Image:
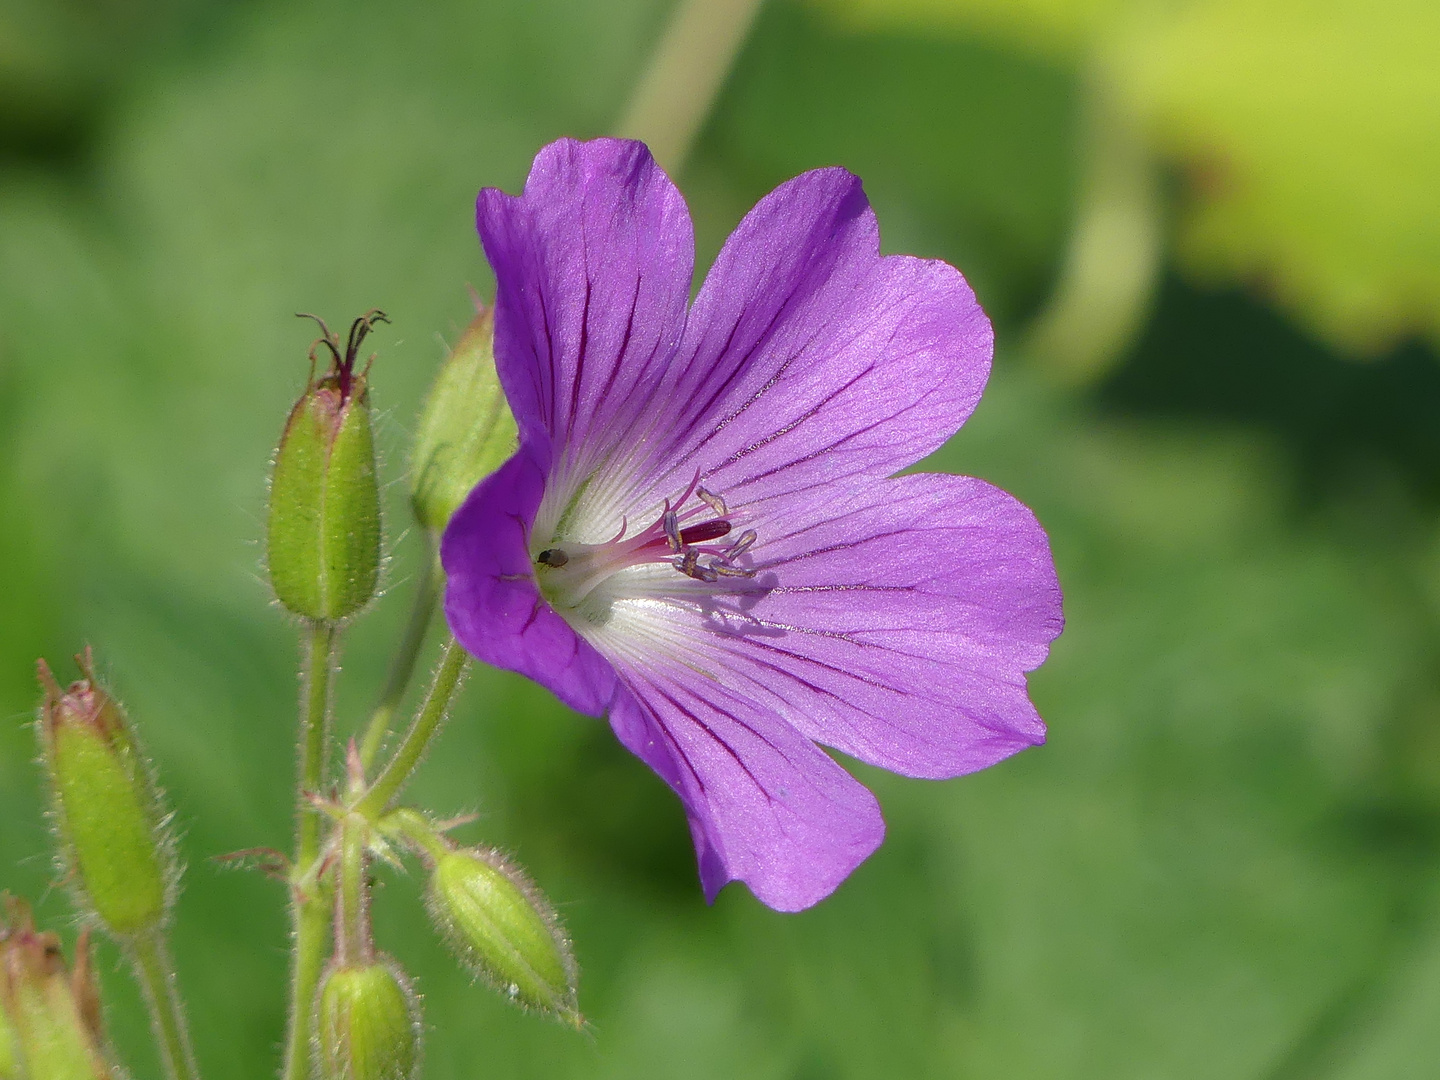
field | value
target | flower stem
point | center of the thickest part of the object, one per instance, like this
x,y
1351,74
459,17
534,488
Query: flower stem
x,y
402,666
308,908
411,825
352,920
156,975
453,664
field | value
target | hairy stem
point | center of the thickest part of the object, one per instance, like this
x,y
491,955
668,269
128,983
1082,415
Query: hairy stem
x,y
352,915
412,825
402,665
307,893
156,975
453,664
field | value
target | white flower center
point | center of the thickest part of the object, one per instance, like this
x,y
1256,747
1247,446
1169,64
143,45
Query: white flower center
x,y
681,538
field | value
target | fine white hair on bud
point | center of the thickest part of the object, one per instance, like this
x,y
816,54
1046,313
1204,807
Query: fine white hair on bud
x,y
504,930
367,1024
112,831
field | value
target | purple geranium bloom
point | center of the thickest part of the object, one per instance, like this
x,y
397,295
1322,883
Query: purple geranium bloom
x,y
701,534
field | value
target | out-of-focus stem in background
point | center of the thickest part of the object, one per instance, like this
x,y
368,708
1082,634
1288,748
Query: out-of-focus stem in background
x,y
674,95
1107,279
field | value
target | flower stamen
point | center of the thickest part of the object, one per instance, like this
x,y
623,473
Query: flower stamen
x,y
568,572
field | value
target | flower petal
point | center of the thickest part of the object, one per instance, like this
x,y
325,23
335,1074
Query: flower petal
x,y
766,806
895,622
593,265
492,603
809,358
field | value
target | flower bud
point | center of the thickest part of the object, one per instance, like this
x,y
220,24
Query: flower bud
x,y
323,541
504,930
466,429
107,813
50,1017
368,1024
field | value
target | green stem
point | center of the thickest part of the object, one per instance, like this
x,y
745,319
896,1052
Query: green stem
x,y
156,975
412,825
352,923
453,663
402,666
308,907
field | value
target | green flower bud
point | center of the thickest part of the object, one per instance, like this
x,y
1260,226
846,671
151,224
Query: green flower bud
x,y
504,930
108,817
466,428
323,541
368,1024
50,1016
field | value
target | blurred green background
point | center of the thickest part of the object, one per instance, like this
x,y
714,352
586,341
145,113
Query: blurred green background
x,y
1223,863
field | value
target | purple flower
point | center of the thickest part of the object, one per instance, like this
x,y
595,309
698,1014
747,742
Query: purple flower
x,y
701,534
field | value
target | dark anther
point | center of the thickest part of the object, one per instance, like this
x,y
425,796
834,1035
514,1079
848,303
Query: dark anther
x,y
552,557
742,545
706,530
710,499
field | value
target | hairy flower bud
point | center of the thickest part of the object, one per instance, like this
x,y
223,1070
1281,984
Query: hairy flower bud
x,y
107,813
50,1016
503,929
368,1024
323,540
466,429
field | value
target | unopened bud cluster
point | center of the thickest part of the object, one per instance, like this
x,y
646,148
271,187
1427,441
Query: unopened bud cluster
x,y
357,1017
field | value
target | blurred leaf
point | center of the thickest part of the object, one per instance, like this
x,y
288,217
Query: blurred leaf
x,y
1307,132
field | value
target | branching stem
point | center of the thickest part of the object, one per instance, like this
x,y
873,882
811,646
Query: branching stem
x,y
454,662
402,666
